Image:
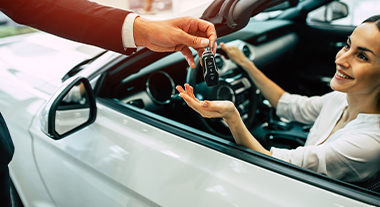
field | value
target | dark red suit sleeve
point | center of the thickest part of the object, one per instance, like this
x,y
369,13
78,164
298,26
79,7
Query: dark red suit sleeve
x,y
78,20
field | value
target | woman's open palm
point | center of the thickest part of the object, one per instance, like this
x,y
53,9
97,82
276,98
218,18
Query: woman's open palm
x,y
207,109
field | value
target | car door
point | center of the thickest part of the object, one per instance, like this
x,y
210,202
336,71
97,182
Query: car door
x,y
130,157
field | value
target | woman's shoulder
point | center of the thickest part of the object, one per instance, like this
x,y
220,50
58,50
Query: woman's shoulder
x,y
335,95
334,100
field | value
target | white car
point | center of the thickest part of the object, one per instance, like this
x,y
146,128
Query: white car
x,y
129,140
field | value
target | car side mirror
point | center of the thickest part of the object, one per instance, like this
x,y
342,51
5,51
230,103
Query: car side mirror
x,y
71,108
336,10
332,11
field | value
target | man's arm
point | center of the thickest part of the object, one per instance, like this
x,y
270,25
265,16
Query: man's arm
x,y
78,20
106,27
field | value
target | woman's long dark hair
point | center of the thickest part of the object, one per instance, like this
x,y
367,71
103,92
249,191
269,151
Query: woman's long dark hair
x,y
372,19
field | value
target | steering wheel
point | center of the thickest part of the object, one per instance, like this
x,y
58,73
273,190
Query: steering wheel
x,y
234,85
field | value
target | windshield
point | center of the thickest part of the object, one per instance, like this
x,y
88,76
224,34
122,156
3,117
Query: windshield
x,y
263,16
270,13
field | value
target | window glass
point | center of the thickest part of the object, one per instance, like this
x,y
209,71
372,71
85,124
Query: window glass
x,y
262,16
358,11
266,15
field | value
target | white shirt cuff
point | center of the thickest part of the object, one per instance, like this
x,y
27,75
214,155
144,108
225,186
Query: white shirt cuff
x,y
282,154
127,31
282,104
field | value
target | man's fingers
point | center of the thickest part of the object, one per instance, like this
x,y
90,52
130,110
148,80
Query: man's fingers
x,y
158,48
214,47
188,56
200,33
194,41
209,29
200,52
211,33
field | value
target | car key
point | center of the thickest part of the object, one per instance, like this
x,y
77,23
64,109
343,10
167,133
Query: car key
x,y
210,71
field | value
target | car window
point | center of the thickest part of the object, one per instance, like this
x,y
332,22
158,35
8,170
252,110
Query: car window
x,y
358,11
266,15
272,13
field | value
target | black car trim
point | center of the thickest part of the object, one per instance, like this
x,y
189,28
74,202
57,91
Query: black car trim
x,y
91,103
250,156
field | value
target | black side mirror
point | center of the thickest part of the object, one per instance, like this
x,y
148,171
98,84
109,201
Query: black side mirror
x,y
71,108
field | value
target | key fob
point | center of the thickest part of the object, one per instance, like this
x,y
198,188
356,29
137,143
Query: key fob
x,y
210,71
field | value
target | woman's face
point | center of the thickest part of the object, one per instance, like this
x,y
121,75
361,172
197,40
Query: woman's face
x,y
358,63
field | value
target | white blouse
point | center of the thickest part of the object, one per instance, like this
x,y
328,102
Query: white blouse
x,y
350,154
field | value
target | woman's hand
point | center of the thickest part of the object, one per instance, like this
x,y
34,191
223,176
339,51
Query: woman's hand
x,y
207,109
235,55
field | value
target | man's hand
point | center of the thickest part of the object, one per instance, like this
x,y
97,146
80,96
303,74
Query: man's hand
x,y
175,35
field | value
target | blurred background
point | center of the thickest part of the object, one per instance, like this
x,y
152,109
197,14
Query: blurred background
x,y
153,9
164,9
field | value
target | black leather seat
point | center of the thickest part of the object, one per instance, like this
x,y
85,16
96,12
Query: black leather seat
x,y
372,183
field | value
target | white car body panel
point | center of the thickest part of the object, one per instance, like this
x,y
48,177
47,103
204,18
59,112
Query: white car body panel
x,y
120,161
23,166
22,92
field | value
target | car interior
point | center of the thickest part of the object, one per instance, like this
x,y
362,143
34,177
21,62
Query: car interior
x,y
294,52
270,46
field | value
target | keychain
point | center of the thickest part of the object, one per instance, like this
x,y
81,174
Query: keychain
x,y
210,71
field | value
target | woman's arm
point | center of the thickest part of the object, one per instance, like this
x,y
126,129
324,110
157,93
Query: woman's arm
x,y
227,111
241,134
268,88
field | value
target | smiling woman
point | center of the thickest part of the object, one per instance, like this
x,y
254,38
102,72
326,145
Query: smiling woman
x,y
344,142
358,65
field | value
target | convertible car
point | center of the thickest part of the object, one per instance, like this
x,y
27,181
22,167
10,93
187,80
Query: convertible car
x,y
97,128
